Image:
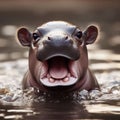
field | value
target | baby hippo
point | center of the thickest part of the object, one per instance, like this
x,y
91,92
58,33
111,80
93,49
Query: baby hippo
x,y
58,58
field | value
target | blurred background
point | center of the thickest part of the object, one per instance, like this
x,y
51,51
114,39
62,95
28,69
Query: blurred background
x,y
33,13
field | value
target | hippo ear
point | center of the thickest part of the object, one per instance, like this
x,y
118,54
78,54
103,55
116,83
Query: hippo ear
x,y
90,34
24,36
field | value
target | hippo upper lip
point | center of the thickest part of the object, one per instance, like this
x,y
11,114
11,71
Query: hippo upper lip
x,y
58,71
48,52
60,55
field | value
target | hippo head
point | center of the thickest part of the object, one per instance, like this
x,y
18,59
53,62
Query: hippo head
x,y
58,54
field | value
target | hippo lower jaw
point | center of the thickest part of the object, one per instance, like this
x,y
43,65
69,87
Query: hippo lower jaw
x,y
58,71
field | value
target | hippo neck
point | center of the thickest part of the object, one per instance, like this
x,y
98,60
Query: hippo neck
x,y
33,62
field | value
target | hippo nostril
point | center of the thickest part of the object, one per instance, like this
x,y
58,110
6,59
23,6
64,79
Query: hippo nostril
x,y
68,40
66,37
49,38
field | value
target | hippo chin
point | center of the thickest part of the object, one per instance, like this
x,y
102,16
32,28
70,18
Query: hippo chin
x,y
58,59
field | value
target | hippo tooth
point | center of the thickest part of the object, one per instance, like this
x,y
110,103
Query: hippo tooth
x,y
66,79
51,80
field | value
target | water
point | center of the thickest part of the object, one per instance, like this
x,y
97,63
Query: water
x,y
63,110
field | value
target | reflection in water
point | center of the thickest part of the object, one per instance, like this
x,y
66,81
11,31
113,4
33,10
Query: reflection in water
x,y
45,110
64,110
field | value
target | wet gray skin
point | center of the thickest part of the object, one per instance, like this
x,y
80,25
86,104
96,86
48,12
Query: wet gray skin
x,y
58,59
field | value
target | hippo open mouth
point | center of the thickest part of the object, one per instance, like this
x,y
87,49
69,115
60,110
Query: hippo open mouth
x,y
58,71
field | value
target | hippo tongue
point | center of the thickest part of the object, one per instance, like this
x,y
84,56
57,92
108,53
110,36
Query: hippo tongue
x,y
58,68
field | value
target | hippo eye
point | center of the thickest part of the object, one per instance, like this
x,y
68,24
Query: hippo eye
x,y
36,37
79,34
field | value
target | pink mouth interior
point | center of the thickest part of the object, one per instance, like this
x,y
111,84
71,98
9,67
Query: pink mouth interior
x,y
58,68
58,71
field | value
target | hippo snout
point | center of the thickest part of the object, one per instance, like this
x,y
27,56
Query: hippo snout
x,y
59,40
58,44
